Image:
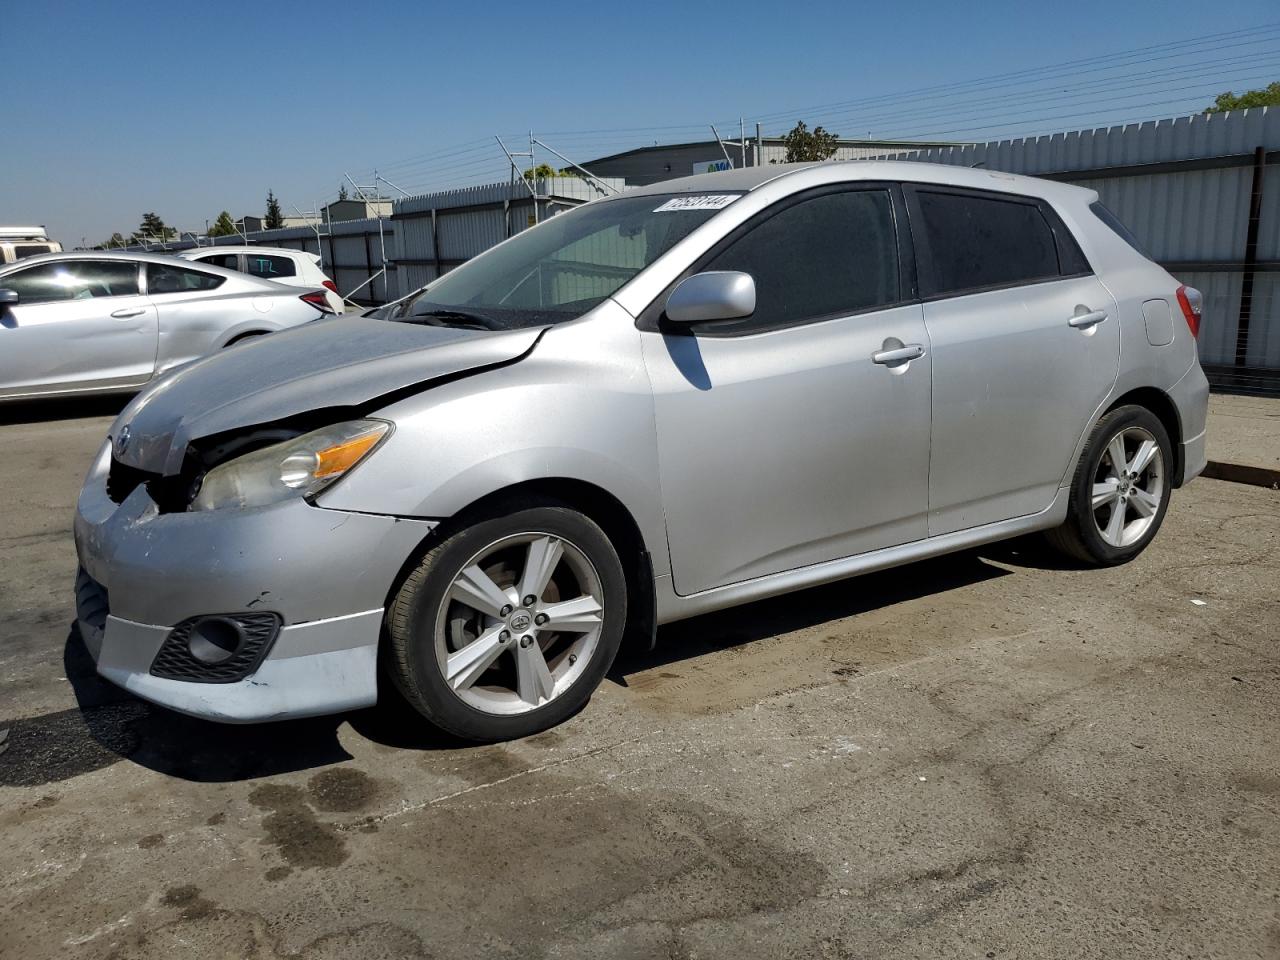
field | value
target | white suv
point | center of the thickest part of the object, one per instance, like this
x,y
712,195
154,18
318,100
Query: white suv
x,y
297,268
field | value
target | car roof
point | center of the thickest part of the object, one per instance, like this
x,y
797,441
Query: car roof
x,y
130,256
752,178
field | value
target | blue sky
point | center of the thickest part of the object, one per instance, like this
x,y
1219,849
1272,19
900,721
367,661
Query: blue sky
x,y
114,109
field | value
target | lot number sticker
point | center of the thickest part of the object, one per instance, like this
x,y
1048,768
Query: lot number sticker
x,y
707,201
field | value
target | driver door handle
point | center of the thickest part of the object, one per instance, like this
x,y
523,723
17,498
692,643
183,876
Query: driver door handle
x,y
912,351
127,312
1088,319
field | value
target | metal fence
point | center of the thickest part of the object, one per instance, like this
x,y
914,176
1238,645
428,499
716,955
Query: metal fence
x,y
437,232
1202,194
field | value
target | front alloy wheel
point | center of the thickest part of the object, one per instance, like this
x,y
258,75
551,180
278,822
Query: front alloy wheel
x,y
509,623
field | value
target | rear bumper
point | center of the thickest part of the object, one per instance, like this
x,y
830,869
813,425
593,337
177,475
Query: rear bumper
x,y
325,574
1190,396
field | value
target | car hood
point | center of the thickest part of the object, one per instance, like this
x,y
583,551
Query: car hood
x,y
342,362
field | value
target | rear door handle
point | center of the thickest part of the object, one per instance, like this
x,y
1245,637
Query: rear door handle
x,y
1088,319
912,351
127,312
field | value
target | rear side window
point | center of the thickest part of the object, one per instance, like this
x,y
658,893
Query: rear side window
x,y
832,254
975,242
74,280
270,267
1120,230
162,278
226,260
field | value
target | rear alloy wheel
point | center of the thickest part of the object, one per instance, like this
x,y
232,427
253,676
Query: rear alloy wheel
x,y
508,625
1120,490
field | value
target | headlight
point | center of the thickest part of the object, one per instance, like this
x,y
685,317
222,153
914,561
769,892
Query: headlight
x,y
299,467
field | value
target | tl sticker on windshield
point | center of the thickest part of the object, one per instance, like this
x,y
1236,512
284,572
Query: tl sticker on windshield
x,y
705,201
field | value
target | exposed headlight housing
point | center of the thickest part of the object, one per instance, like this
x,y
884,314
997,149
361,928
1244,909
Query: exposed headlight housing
x,y
300,467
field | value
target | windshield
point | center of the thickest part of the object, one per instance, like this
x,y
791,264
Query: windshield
x,y
562,268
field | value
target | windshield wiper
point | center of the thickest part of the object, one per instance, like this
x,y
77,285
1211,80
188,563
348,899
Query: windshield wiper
x,y
453,318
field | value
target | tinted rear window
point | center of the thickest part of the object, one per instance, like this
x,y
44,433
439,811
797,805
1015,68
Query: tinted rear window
x,y
975,242
162,278
269,267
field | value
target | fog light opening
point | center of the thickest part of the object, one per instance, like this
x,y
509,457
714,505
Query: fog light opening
x,y
215,639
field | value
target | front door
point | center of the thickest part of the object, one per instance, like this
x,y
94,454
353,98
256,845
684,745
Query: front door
x,y
793,437
1026,345
78,325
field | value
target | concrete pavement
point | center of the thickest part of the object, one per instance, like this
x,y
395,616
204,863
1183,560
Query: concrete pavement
x,y
989,755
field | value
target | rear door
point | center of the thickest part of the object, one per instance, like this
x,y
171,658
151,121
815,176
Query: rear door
x,y
789,438
78,325
1026,345
194,312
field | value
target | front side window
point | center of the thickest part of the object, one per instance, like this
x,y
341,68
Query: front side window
x,y
73,280
268,266
831,255
163,278
564,267
976,242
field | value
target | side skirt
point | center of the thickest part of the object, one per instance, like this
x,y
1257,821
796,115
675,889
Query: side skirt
x,y
672,606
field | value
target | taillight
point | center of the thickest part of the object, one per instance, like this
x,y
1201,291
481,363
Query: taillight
x,y
1190,300
318,300
331,285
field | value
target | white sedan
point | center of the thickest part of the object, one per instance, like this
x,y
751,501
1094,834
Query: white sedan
x,y
105,322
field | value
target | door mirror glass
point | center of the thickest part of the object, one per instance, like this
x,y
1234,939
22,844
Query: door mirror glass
x,y
714,295
8,298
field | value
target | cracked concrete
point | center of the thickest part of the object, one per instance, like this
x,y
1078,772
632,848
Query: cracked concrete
x,y
989,755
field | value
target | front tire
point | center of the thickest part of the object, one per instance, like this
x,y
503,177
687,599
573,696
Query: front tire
x,y
1120,490
509,623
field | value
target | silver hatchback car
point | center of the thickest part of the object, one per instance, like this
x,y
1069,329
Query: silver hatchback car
x,y
686,397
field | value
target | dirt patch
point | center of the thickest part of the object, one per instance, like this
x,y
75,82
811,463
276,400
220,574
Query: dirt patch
x,y
151,840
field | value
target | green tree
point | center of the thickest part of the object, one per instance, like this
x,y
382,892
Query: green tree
x,y
117,240
541,172
342,191
274,219
805,145
153,228
224,226
1268,96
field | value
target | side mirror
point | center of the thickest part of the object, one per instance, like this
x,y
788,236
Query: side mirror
x,y
8,298
714,295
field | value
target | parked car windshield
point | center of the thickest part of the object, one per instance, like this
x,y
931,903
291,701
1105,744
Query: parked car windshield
x,y
561,269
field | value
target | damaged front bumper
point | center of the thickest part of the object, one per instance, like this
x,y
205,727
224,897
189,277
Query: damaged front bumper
x,y
324,575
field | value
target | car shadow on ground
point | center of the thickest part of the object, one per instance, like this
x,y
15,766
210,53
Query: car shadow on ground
x,y
62,408
109,725
698,636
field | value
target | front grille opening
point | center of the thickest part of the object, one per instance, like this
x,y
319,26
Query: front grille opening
x,y
123,479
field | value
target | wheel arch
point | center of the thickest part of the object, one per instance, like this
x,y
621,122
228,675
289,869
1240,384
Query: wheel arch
x,y
1164,409
593,502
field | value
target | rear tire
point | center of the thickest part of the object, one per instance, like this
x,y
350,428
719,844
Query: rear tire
x,y
468,651
1120,490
